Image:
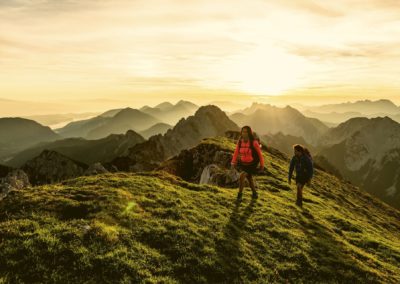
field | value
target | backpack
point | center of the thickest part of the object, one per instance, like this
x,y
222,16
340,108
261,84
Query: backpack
x,y
254,153
302,167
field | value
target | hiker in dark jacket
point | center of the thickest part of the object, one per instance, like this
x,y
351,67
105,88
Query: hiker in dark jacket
x,y
303,164
246,158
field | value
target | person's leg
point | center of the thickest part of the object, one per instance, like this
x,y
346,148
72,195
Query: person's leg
x,y
299,201
252,186
241,184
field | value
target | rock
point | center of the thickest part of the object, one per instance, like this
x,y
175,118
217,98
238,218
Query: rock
x,y
95,169
190,164
16,179
215,175
51,166
232,135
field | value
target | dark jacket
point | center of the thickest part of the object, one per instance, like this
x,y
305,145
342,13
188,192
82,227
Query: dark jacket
x,y
303,165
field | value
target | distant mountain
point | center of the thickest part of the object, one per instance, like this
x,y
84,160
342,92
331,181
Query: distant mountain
x,y
50,167
284,143
228,105
17,134
111,112
268,119
106,124
85,151
206,122
343,131
365,107
367,152
164,106
169,113
54,120
159,128
81,128
395,117
334,118
124,120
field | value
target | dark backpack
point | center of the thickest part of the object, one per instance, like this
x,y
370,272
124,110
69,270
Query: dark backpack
x,y
254,154
303,169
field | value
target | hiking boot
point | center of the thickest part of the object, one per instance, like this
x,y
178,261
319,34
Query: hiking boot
x,y
239,196
254,195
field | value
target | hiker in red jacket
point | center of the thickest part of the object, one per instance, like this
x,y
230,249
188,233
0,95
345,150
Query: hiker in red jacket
x,y
246,158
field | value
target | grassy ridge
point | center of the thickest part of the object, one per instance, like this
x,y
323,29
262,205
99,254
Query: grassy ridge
x,y
154,227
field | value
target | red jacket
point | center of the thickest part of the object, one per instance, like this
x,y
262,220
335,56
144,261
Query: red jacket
x,y
245,152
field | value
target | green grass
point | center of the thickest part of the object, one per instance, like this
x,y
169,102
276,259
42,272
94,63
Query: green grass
x,y
156,228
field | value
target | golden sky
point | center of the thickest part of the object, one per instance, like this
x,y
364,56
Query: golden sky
x,y
151,50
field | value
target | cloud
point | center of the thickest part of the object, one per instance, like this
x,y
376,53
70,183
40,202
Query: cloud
x,y
364,50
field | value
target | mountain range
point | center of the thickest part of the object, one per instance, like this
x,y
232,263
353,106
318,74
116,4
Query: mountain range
x,y
366,152
361,150
112,122
207,121
338,113
85,151
171,113
268,119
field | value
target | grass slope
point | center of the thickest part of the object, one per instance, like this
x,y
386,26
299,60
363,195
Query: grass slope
x,y
156,228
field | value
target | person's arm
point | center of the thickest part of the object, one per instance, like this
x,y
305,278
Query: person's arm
x,y
235,155
291,168
259,153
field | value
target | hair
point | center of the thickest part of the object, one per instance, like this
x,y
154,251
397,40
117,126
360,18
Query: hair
x,y
302,149
249,131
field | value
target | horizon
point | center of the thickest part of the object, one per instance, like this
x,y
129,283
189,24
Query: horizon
x,y
37,108
147,52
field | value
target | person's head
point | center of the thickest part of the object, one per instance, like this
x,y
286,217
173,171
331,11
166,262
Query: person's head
x,y
247,133
298,149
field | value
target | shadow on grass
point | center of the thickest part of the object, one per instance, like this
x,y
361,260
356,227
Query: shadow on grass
x,y
229,253
329,260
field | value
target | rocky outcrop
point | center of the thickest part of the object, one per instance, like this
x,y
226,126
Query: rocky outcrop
x,y
216,175
95,169
16,179
190,164
51,166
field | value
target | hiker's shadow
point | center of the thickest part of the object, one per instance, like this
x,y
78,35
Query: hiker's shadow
x,y
330,254
228,248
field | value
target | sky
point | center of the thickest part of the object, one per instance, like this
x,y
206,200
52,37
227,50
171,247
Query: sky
x,y
146,51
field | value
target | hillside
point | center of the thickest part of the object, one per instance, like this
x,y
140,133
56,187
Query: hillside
x,y
126,119
54,120
159,128
85,151
17,134
154,227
